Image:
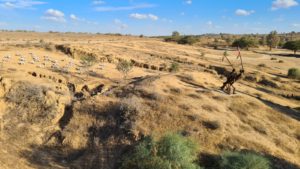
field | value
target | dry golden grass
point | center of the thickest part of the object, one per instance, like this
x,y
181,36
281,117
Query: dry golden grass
x,y
95,131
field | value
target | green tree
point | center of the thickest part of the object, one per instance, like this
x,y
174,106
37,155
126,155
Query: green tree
x,y
263,40
229,41
245,43
292,45
175,34
273,40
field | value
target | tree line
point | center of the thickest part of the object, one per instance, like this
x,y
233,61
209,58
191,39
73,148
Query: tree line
x,y
272,40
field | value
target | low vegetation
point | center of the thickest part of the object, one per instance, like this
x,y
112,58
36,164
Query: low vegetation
x,y
124,67
176,37
174,67
292,45
234,160
170,151
88,61
273,40
29,105
294,73
245,43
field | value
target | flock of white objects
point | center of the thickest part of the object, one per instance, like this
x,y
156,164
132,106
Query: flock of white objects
x,y
54,64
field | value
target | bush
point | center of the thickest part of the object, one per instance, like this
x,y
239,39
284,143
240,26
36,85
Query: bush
x,y
190,40
174,67
262,65
294,73
233,160
245,42
124,67
292,45
171,151
88,60
30,103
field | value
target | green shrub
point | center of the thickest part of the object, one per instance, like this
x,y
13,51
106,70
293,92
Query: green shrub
x,y
294,73
171,151
174,67
245,43
292,45
124,67
190,40
234,160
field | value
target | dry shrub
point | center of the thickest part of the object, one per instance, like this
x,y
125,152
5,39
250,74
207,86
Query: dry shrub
x,y
220,98
186,77
149,95
262,65
269,83
194,96
30,103
209,108
176,90
252,78
184,107
212,125
259,128
273,58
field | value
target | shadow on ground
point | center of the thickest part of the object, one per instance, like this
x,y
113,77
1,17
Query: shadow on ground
x,y
278,54
211,161
106,143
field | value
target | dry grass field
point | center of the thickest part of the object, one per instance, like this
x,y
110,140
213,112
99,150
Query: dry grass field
x,y
44,123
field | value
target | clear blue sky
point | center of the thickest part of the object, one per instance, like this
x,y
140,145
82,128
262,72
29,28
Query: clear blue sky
x,y
151,17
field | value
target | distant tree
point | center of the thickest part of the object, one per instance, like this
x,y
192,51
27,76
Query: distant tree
x,y
292,45
263,40
174,38
188,40
124,67
273,40
229,40
175,34
245,43
293,33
